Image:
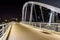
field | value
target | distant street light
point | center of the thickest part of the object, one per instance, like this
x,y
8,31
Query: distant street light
x,y
16,19
6,20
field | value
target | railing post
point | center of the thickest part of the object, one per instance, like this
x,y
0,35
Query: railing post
x,y
40,25
2,29
35,24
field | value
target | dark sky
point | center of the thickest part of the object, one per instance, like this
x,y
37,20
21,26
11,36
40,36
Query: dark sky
x,y
8,8
13,8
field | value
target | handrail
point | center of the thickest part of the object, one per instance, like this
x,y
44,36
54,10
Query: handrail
x,y
44,27
5,35
53,26
2,29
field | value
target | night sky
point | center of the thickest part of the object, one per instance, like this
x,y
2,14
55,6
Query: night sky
x,y
8,9
13,8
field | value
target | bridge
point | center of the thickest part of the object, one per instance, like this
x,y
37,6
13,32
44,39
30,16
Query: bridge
x,y
28,30
21,31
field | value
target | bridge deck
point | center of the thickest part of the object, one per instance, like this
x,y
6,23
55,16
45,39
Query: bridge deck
x,y
25,32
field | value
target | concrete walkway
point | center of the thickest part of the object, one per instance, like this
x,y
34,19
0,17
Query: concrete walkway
x,y
21,32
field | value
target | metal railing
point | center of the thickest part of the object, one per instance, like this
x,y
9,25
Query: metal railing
x,y
52,27
3,28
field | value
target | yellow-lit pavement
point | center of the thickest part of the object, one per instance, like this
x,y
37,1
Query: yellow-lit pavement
x,y
21,32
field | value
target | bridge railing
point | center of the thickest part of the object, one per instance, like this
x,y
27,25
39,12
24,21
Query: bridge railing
x,y
3,28
6,30
52,27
